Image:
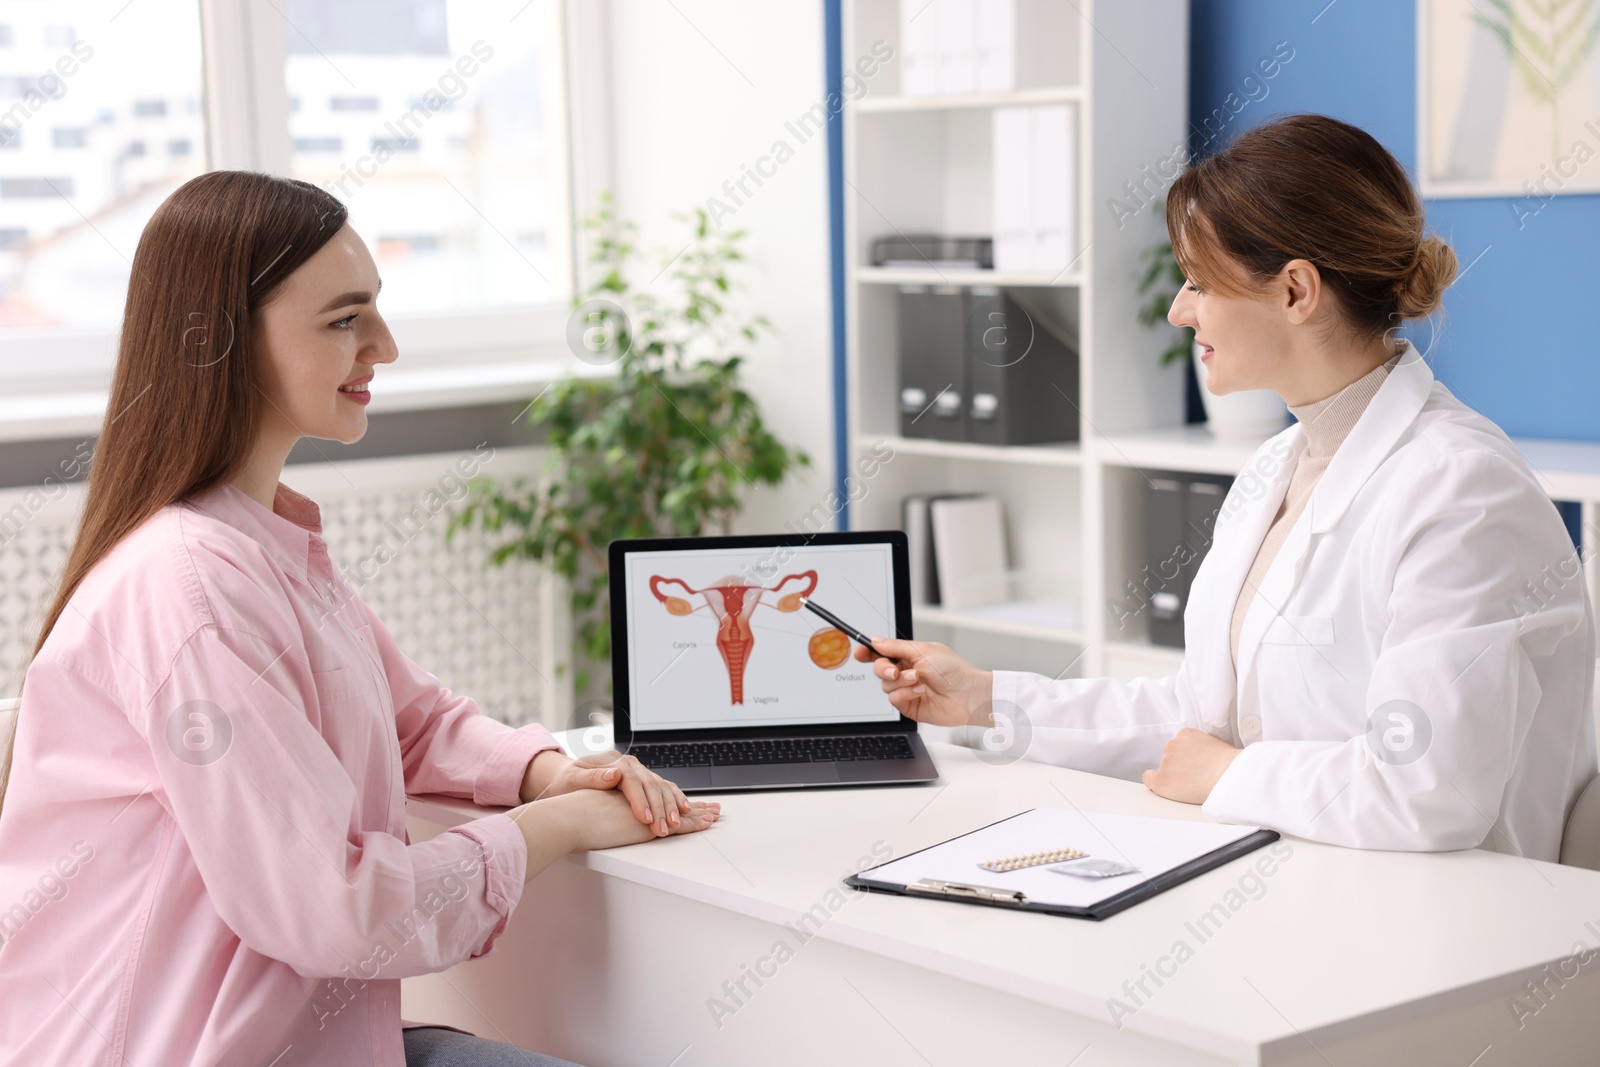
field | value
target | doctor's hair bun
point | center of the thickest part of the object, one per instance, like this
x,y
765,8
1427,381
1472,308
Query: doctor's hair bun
x,y
1312,188
1420,292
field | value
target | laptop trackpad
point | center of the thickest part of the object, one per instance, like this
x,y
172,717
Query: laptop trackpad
x,y
687,777
757,775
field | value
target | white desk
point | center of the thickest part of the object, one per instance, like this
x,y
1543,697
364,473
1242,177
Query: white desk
x,y
1338,957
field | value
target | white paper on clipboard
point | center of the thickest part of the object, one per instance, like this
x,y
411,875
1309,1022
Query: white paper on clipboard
x,y
1155,846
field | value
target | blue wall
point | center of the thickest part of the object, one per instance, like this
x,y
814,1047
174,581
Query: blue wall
x,y
1518,340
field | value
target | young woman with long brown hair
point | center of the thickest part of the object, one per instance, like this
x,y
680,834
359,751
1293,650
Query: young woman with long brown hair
x,y
203,849
1388,644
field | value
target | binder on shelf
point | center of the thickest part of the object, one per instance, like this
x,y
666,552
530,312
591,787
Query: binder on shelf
x,y
1054,195
996,37
919,51
958,46
1013,189
932,360
958,49
1035,188
918,526
1164,853
1022,374
1164,578
1180,516
969,550
919,549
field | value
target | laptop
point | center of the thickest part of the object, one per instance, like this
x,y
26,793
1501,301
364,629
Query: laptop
x,y
723,680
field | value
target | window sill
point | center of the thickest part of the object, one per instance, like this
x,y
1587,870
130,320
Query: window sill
x,y
47,416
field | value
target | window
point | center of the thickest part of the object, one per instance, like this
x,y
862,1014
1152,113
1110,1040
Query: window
x,y
73,195
451,128
416,242
440,123
19,86
392,145
37,188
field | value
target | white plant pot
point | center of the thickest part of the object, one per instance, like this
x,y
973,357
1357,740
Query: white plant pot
x,y
1251,414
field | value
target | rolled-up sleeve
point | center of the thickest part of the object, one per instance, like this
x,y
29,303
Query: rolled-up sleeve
x,y
505,861
273,820
446,745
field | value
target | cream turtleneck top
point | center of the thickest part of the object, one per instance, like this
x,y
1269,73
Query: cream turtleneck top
x,y
1325,423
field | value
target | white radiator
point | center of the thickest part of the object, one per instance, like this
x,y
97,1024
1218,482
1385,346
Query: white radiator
x,y
496,635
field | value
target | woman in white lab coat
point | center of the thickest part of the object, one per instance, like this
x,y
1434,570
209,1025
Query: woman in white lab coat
x,y
1388,644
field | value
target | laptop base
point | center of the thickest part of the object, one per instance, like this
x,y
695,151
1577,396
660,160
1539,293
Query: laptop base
x,y
919,768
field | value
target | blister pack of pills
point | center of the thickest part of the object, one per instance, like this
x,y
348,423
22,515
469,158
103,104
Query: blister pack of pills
x,y
1030,859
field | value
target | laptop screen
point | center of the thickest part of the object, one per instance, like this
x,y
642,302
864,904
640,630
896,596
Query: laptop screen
x,y
718,637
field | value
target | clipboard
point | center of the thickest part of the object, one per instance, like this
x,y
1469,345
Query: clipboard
x,y
1168,852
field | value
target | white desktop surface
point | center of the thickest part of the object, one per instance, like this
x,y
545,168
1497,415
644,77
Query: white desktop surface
x,y
1342,952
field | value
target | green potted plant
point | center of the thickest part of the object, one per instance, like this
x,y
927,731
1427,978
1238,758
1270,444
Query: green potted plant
x,y
1158,286
667,442
1249,414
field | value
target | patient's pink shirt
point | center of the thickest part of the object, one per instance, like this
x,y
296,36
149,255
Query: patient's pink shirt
x,y
203,849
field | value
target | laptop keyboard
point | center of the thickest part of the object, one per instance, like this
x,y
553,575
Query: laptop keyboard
x,y
773,750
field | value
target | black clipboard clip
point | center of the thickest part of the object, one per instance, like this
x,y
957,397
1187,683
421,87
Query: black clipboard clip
x,y
933,887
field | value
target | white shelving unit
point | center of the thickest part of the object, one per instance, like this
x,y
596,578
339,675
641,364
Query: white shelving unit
x,y
923,163
1073,511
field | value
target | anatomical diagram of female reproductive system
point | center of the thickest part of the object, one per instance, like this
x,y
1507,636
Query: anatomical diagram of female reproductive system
x,y
733,600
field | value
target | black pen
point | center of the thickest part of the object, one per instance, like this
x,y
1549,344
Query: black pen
x,y
849,631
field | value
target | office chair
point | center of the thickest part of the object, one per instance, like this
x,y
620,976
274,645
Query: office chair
x,y
1580,844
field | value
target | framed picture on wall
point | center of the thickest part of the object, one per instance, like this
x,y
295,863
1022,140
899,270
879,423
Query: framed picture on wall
x,y
1508,98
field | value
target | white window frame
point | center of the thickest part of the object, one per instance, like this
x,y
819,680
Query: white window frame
x,y
246,107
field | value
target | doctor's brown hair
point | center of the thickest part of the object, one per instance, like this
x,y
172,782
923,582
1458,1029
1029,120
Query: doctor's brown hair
x,y
1314,188
185,401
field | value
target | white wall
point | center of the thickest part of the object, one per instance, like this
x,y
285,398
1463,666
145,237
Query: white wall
x,y
698,90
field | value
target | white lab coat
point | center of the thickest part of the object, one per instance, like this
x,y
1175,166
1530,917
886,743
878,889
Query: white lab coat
x,y
1428,567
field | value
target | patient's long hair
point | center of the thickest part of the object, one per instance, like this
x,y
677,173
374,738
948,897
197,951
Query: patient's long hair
x,y
184,407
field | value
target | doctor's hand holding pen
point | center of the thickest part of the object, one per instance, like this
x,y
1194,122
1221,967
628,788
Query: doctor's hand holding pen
x,y
930,683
